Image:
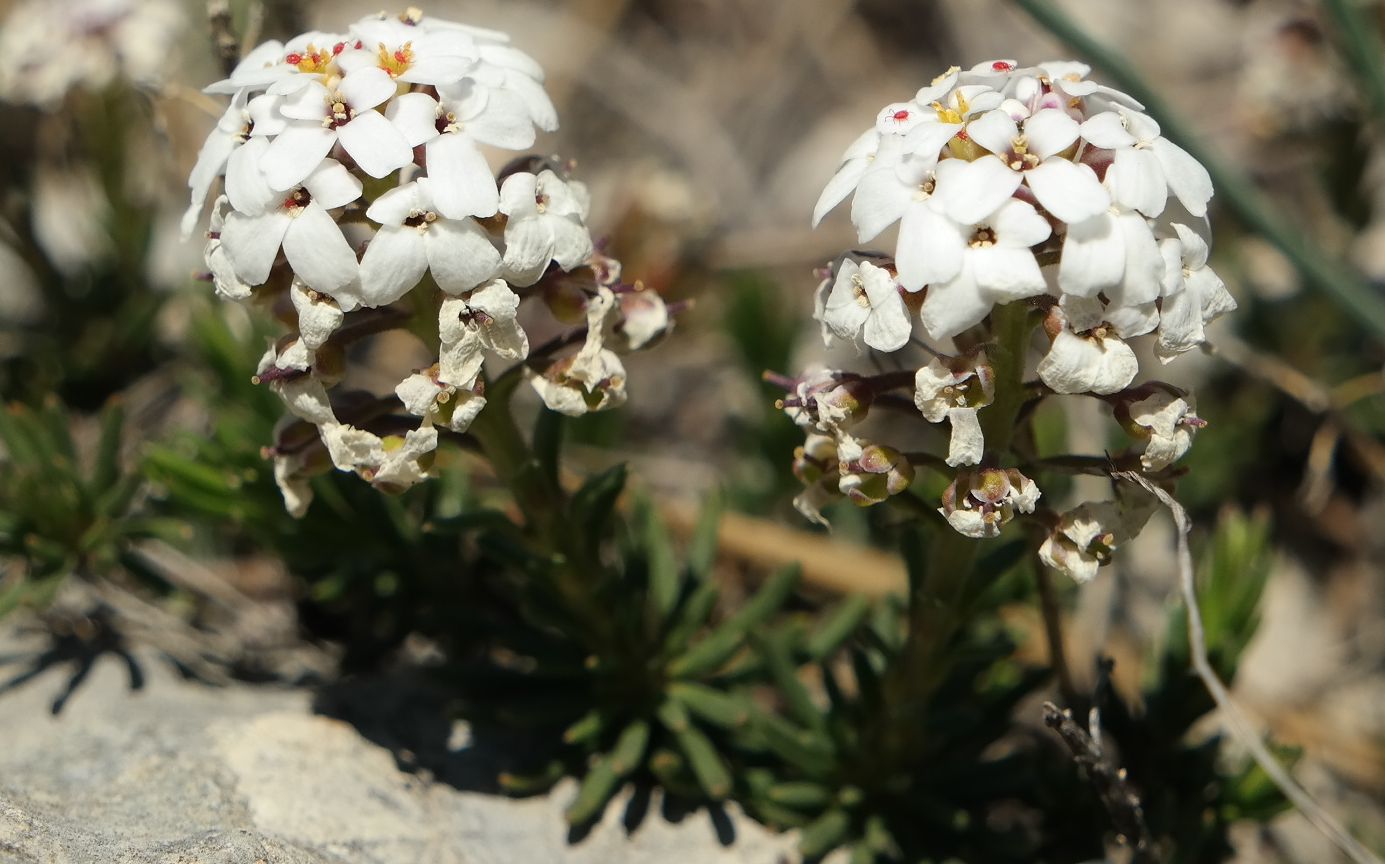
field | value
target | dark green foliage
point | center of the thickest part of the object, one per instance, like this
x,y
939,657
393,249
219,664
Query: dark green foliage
x,y
65,511
651,683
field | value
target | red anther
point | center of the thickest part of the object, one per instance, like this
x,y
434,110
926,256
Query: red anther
x,y
962,134
401,57
1002,66
338,48
294,59
901,115
359,44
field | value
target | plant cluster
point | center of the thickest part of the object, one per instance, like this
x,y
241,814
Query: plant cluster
x,y
1040,217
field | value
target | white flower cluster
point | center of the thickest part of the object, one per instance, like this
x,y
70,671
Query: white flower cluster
x,y
1010,184
354,174
47,49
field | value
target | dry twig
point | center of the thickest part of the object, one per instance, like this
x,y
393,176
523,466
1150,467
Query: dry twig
x,y
1235,720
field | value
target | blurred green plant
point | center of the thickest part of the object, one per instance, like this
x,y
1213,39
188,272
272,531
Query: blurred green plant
x,y
65,512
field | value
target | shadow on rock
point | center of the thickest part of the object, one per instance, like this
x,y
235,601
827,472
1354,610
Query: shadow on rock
x,y
76,642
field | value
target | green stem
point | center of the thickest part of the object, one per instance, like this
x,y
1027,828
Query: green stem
x,y
543,503
937,588
1244,199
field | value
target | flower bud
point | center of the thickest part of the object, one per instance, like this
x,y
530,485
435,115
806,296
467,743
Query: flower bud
x,y
979,502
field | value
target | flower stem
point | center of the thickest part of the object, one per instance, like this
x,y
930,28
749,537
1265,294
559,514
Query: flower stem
x,y
573,569
937,587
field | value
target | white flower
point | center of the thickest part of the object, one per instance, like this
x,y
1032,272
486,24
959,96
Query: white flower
x,y
1083,540
415,238
593,379
955,392
318,315
232,130
1097,362
322,116
311,239
829,400
1166,424
481,320
866,303
1113,252
644,319
391,464
439,402
1037,154
1193,294
282,68
288,373
546,222
293,483
1147,166
978,503
451,131
976,266
408,53
224,278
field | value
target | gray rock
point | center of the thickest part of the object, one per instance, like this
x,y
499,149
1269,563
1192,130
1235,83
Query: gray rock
x,y
180,773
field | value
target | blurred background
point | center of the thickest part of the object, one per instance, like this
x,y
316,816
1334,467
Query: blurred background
x,y
705,130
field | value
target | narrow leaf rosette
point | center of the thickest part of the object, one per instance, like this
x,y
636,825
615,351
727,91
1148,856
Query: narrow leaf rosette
x,y
1037,225
356,196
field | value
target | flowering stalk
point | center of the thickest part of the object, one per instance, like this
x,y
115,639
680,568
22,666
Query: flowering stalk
x,y
1020,195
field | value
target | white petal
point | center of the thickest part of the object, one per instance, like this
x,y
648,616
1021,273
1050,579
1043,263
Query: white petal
x,y
375,144
252,243
518,194
952,307
1069,191
994,130
1180,325
460,254
294,154
1136,181
505,123
841,185
1050,131
889,326
415,115
365,88
318,252
1093,257
1194,247
880,201
1075,364
392,265
967,443
462,181
572,242
930,247
1018,225
331,185
318,316
395,205
1144,265
528,249
1007,274
1186,176
246,187
972,191
1107,130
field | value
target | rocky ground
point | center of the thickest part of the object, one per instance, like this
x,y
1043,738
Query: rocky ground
x,y
141,766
